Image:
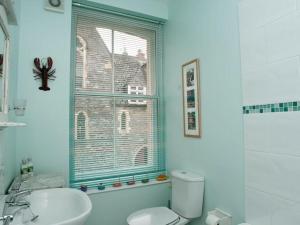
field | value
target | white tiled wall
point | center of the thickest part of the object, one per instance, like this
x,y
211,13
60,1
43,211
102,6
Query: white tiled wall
x,y
270,56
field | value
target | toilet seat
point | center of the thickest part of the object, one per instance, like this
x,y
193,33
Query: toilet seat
x,y
155,216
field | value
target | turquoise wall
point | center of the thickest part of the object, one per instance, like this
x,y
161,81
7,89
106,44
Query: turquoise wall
x,y
46,137
156,8
112,208
8,136
208,30
196,29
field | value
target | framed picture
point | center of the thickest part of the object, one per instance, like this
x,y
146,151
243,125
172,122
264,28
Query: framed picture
x,y
191,99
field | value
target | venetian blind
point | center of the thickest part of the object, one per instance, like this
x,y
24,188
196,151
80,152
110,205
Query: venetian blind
x,y
115,102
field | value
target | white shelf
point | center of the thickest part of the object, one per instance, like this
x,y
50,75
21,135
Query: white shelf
x,y
11,124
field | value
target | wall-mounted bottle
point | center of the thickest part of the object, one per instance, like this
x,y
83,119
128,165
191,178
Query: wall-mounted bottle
x,y
24,169
30,167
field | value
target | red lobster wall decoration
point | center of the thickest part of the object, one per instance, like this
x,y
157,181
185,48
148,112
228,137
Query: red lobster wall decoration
x,y
44,72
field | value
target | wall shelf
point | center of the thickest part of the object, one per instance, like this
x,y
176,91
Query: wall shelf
x,y
6,124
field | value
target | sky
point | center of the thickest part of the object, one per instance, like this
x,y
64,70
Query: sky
x,y
123,42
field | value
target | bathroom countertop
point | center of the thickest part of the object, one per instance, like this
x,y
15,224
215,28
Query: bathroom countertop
x,y
2,197
37,182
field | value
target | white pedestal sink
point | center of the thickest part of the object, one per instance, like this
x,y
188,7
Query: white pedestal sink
x,y
61,206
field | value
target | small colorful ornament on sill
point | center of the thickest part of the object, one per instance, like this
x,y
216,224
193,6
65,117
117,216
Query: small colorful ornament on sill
x,y
162,177
131,182
83,188
101,187
44,71
117,184
145,180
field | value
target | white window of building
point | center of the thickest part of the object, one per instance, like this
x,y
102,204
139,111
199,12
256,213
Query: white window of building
x,y
82,49
137,90
81,125
141,157
124,120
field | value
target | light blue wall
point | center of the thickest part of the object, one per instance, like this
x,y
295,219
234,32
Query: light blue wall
x,y
197,28
112,208
46,137
8,136
208,30
43,34
156,8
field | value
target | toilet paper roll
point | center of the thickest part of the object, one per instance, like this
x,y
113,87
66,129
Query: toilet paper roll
x,y
212,220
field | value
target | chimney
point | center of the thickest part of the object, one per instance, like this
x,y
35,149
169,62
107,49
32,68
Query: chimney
x,y
141,56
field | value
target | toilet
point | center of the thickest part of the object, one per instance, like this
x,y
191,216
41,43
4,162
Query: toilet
x,y
187,200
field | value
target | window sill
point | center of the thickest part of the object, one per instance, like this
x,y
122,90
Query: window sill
x,y
109,189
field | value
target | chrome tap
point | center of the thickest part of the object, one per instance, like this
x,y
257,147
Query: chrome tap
x,y
12,201
12,197
6,219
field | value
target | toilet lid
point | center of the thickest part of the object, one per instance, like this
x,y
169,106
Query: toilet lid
x,y
153,216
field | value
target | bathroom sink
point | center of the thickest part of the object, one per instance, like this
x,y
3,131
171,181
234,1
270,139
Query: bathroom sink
x,y
61,206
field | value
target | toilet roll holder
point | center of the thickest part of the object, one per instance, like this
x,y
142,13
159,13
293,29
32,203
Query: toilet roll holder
x,y
218,217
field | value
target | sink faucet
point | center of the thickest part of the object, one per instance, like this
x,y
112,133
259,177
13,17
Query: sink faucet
x,y
6,219
11,201
12,197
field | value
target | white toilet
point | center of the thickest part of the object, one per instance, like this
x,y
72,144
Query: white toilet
x,y
187,200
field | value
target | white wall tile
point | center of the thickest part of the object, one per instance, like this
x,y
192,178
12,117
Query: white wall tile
x,y
275,174
253,49
282,37
289,215
257,207
274,82
298,4
270,50
276,133
279,8
284,133
264,209
252,13
255,13
256,130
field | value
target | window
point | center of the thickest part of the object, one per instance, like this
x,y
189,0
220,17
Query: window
x,y
141,157
116,80
82,60
136,91
124,120
81,126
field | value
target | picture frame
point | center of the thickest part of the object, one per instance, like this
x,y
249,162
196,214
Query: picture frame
x,y
191,98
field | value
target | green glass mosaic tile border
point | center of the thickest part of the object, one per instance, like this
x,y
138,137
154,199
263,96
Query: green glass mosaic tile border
x,y
271,108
